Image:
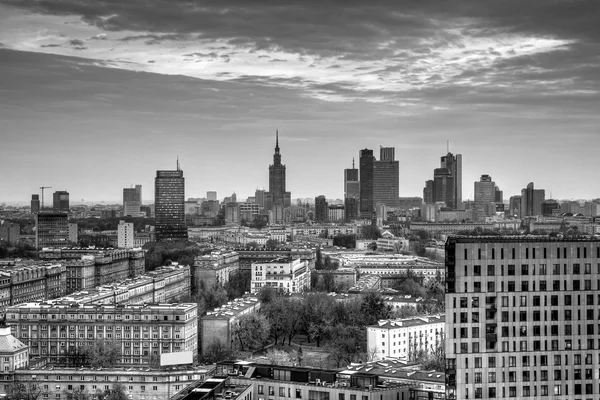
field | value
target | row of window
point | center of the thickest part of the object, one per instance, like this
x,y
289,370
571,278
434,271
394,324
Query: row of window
x,y
531,360
526,269
525,287
527,392
524,346
528,376
581,252
523,301
523,331
524,316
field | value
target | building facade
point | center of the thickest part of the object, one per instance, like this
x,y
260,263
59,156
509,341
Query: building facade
x,y
386,178
125,235
277,194
485,198
169,209
365,162
351,183
52,230
321,210
60,201
531,201
214,269
522,318
132,201
285,275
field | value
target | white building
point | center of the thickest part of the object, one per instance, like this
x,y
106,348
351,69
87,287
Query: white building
x,y
405,337
125,239
14,354
283,274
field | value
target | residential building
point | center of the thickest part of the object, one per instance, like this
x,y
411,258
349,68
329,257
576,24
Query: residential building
x,y
285,275
318,230
52,330
60,201
214,269
335,213
52,230
514,206
73,230
341,278
247,257
14,354
405,337
169,210
522,317
366,161
531,201
9,232
145,383
35,203
485,198
321,209
386,178
216,327
294,382
125,235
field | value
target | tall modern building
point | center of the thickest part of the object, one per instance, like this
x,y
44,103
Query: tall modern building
x,y
531,201
277,195
132,201
60,200
514,206
169,206
366,161
35,203
447,183
321,209
522,318
351,183
211,195
386,178
51,229
485,198
259,198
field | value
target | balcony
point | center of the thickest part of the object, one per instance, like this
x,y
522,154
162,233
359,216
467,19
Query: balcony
x,y
491,337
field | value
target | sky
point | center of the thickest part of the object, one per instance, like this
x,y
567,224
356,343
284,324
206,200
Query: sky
x,y
96,95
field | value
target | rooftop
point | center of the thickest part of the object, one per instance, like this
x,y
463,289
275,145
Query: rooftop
x,y
232,308
410,322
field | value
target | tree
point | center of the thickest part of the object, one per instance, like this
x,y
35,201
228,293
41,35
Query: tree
x,y
280,357
324,234
405,311
371,232
24,391
266,294
102,354
272,244
348,343
276,311
117,392
216,351
293,319
374,308
238,284
348,241
77,394
372,246
251,331
316,315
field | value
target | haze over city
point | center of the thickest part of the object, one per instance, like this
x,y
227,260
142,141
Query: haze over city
x,y
98,95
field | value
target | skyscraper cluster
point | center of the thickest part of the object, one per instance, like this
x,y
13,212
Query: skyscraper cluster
x,y
446,186
379,181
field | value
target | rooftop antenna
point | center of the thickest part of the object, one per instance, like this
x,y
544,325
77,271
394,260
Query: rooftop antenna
x,y
178,169
448,146
353,163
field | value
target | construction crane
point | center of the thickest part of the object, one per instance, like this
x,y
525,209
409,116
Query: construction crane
x,y
42,188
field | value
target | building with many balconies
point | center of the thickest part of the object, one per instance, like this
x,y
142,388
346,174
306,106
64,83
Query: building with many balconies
x,y
285,275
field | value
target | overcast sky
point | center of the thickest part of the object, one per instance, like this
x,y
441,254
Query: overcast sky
x,y
96,95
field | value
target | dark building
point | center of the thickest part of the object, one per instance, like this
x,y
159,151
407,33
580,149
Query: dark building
x,y
407,203
514,206
321,209
132,201
548,207
351,183
60,200
277,196
386,178
51,229
447,183
531,201
366,204
169,206
498,195
351,209
35,203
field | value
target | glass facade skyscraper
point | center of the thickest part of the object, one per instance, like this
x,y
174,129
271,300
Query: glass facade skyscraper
x,y
169,206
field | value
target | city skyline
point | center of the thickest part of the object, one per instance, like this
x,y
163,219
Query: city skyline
x,y
96,89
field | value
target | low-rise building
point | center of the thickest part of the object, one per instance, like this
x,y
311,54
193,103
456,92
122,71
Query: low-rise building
x,y
54,330
216,327
405,337
14,354
214,269
342,278
285,275
319,229
247,257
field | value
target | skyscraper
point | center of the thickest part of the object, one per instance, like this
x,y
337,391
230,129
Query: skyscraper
x,y
447,182
485,198
531,201
276,199
60,200
321,209
35,203
169,205
366,204
259,198
386,178
132,201
522,318
351,182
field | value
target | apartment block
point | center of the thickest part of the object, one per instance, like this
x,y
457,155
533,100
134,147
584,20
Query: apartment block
x,y
52,230
285,275
53,330
522,318
216,326
214,269
405,337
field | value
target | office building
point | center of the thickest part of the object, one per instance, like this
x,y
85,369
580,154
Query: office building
x,y
446,185
211,195
550,207
216,327
277,194
35,203
53,329
485,198
284,275
259,198
514,206
405,337
52,230
351,183
351,212
132,201
366,161
498,196
60,201
125,235
531,201
321,209
386,178
522,318
169,210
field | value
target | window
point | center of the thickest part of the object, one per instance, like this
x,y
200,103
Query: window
x,y
511,270
525,269
523,302
491,270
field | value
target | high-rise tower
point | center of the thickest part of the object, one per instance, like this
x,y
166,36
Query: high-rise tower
x,y
61,200
351,182
447,182
277,195
386,178
531,201
366,161
169,205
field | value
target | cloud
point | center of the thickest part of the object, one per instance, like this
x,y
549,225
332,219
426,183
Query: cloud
x,y
75,42
100,36
51,45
